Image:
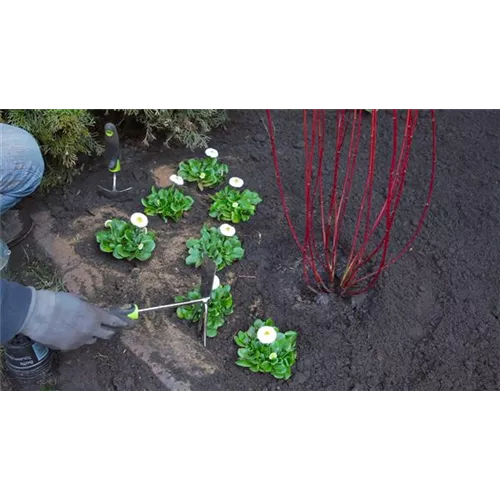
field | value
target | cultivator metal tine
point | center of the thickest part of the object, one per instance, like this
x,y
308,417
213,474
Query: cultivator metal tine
x,y
207,281
202,324
114,191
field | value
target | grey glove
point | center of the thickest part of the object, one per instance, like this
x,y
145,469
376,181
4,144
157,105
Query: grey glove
x,y
62,321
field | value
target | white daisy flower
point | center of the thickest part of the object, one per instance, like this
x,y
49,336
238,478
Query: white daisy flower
x,y
236,182
266,334
177,179
212,153
216,283
227,230
108,223
139,220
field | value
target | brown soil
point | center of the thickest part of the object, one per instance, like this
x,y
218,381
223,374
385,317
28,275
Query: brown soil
x,y
432,322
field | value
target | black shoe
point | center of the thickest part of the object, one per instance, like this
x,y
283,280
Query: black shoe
x,y
15,226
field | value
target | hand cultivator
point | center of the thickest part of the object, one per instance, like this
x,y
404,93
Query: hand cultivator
x,y
112,155
208,269
327,195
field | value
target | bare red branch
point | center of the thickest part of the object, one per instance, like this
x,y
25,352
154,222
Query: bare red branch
x,y
327,197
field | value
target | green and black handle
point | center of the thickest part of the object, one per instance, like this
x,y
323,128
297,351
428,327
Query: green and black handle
x,y
132,311
112,157
112,152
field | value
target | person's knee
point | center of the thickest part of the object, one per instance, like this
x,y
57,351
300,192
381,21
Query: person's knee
x,y
22,162
26,180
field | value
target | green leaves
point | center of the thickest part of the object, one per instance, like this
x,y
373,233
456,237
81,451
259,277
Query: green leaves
x,y
276,358
206,172
221,249
168,203
233,205
126,241
219,308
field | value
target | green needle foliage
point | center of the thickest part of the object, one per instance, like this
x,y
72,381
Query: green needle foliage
x,y
62,134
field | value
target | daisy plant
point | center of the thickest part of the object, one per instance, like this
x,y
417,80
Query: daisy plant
x,y
127,240
206,172
263,348
233,205
219,307
219,244
170,203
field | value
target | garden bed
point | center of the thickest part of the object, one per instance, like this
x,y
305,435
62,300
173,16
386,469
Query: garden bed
x,y
432,321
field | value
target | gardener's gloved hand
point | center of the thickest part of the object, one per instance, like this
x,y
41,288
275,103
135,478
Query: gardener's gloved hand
x,y
62,321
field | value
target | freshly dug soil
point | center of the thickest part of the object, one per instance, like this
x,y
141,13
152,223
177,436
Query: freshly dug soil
x,y
431,323
97,367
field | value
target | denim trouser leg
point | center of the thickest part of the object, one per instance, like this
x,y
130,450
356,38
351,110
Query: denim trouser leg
x,y
21,165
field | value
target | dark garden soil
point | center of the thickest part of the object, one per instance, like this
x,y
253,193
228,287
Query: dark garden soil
x,y
101,366
431,323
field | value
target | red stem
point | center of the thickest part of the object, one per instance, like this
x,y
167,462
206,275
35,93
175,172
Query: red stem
x,y
282,193
394,176
355,256
331,220
353,280
309,240
333,210
351,166
374,275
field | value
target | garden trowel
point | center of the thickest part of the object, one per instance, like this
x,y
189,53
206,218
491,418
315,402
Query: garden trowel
x,y
208,270
112,156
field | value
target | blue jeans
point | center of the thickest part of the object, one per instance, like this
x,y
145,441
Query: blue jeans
x,y
21,165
